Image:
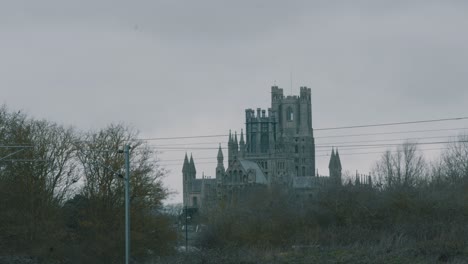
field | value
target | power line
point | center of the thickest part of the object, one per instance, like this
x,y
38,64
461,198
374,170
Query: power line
x,y
331,143
166,138
336,136
383,140
265,157
416,143
323,129
319,156
395,123
328,145
396,132
16,146
188,144
24,160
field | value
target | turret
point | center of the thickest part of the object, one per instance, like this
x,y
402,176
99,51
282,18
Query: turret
x,y
236,146
230,149
242,145
220,155
334,167
331,164
186,183
338,161
193,171
185,167
305,111
220,167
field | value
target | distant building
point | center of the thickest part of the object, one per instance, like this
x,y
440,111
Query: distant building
x,y
279,148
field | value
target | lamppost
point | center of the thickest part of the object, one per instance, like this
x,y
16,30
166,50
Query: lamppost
x,y
126,152
186,229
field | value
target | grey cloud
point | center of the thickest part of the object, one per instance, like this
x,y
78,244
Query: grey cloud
x,y
191,67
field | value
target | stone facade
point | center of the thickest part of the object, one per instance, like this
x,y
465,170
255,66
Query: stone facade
x,y
279,148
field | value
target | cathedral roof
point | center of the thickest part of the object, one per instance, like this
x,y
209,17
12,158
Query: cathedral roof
x,y
250,165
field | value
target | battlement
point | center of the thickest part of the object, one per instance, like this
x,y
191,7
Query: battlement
x,y
277,94
261,114
304,90
276,90
293,97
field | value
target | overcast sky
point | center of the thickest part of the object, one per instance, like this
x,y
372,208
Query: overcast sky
x,y
178,68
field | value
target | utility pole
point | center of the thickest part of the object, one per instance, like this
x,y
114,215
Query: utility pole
x,y
127,203
186,230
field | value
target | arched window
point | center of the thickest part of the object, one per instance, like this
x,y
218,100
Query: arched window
x,y
264,142
289,114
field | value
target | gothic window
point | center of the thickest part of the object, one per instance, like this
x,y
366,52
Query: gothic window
x,y
264,140
253,143
289,114
194,201
297,171
303,171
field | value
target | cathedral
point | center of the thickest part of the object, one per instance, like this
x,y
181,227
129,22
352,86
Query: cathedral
x,y
278,147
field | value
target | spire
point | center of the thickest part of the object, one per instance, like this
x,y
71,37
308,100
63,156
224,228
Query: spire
x,y
331,164
338,161
242,144
230,148
220,154
235,149
192,166
185,168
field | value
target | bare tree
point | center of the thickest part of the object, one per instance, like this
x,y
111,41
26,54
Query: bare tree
x,y
402,168
36,174
101,164
454,161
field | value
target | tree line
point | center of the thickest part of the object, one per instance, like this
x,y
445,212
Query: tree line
x,y
415,211
61,196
